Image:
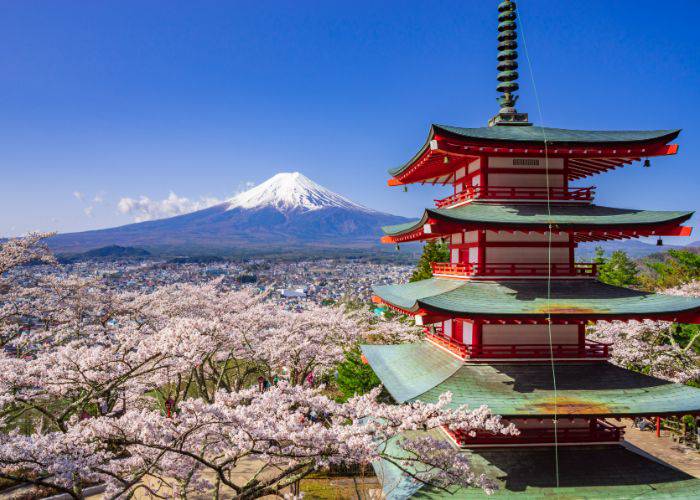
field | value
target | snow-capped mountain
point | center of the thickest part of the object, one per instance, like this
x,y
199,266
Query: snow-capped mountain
x,y
291,191
288,211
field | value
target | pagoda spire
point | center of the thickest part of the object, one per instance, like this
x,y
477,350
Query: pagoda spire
x,y
508,67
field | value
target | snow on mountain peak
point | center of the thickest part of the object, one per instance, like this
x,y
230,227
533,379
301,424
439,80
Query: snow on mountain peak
x,y
289,191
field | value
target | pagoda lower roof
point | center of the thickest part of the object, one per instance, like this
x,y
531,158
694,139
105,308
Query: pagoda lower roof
x,y
568,299
422,372
523,217
585,472
585,147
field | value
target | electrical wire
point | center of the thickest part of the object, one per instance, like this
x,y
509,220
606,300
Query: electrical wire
x,y
549,250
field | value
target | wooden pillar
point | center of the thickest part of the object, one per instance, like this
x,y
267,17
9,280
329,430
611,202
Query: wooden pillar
x,y
572,257
481,258
581,335
457,330
477,337
658,427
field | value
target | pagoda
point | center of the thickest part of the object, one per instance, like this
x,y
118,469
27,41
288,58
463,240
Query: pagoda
x,y
505,319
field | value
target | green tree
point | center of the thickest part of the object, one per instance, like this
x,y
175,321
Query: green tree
x,y
599,256
677,268
354,376
686,336
618,270
433,251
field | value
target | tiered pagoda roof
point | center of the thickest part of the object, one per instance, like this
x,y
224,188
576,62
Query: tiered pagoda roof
x,y
590,152
560,300
587,222
612,471
526,390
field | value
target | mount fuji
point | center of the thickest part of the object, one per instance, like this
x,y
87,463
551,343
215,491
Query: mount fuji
x,y
289,211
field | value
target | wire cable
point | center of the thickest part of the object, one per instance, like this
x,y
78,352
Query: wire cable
x,y
549,250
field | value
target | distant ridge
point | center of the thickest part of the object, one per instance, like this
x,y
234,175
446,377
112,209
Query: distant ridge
x,y
111,252
289,211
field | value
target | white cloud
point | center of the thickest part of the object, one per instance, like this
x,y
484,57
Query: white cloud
x,y
88,210
144,208
78,195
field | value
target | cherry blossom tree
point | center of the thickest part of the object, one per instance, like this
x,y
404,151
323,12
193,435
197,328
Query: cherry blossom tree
x,y
651,346
14,305
151,391
19,251
382,330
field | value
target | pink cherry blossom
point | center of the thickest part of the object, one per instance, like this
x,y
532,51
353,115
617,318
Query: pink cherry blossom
x,y
650,347
153,390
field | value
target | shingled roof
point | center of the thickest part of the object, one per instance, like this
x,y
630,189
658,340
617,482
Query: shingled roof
x,y
536,136
610,471
526,390
588,299
526,216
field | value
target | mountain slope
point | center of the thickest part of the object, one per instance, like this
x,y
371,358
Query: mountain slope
x,y
288,211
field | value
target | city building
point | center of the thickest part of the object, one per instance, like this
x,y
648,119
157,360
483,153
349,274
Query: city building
x,y
506,317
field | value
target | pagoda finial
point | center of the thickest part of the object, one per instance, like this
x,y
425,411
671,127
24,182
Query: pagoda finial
x,y
508,67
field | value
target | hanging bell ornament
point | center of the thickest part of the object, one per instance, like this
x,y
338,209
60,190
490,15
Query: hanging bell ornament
x,y
647,163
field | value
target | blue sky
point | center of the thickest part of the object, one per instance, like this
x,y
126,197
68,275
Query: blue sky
x,y
102,101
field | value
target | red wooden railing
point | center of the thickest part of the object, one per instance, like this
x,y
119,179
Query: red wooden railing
x,y
518,193
599,432
521,269
590,349
450,344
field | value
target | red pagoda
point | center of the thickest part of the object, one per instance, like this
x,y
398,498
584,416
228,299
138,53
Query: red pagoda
x,y
506,317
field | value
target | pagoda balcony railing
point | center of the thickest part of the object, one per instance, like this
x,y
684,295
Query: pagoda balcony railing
x,y
467,269
584,194
599,431
589,350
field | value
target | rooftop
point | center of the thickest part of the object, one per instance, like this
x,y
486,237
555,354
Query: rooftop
x,y
539,216
582,299
611,471
533,134
526,390
628,145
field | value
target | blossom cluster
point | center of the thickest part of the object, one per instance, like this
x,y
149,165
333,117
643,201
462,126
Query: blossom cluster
x,y
158,391
650,346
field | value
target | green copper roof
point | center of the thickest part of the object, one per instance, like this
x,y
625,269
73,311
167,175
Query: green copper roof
x,y
557,135
531,134
526,390
413,379
585,472
570,298
536,215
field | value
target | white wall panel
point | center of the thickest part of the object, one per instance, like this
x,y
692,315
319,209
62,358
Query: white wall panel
x,y
529,334
518,255
467,332
526,237
524,180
